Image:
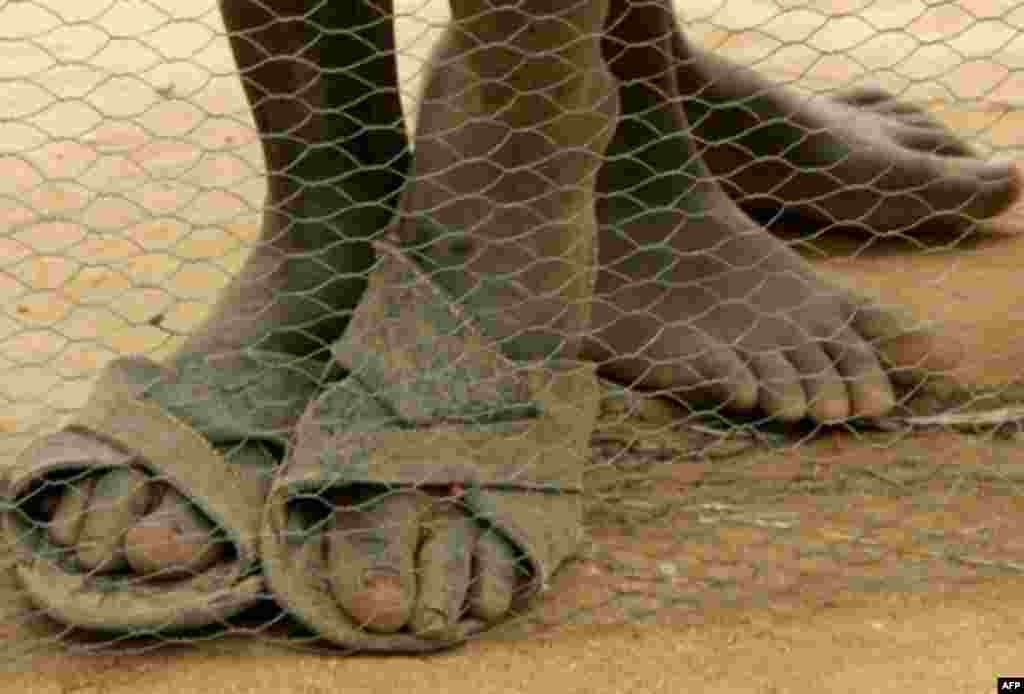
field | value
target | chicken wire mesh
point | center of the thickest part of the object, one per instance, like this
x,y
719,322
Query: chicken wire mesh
x,y
441,443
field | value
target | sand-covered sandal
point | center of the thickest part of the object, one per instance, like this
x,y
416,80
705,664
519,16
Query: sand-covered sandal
x,y
212,431
429,400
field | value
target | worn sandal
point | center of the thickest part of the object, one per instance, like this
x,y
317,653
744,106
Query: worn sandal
x,y
429,401
211,431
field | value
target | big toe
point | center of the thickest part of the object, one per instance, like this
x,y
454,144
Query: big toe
x,y
980,189
371,550
174,540
907,347
1003,183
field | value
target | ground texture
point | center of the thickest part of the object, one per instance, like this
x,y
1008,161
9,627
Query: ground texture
x,y
758,561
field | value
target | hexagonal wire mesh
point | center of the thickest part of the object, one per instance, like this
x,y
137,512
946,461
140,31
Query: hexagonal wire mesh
x,y
548,187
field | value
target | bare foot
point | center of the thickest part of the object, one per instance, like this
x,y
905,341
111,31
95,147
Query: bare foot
x,y
307,272
862,158
693,296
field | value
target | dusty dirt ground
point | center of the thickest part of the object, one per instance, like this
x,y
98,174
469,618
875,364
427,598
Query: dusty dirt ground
x,y
779,561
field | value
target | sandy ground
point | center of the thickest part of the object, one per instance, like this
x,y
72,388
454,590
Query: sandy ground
x,y
855,561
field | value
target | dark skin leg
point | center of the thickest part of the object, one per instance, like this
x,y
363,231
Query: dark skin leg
x,y
336,153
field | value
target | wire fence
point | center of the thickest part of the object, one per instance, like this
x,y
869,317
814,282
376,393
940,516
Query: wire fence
x,y
302,304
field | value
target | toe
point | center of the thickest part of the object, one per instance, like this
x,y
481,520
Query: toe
x,y
956,191
497,576
932,140
983,188
696,369
901,111
371,549
119,499
885,103
905,346
861,97
824,390
781,393
700,369
1004,183
726,379
174,540
869,387
65,524
444,567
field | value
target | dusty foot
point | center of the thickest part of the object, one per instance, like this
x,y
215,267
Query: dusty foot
x,y
305,275
862,158
694,297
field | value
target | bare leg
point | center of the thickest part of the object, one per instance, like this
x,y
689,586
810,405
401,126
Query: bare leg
x,y
863,159
327,109
323,87
692,295
515,119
